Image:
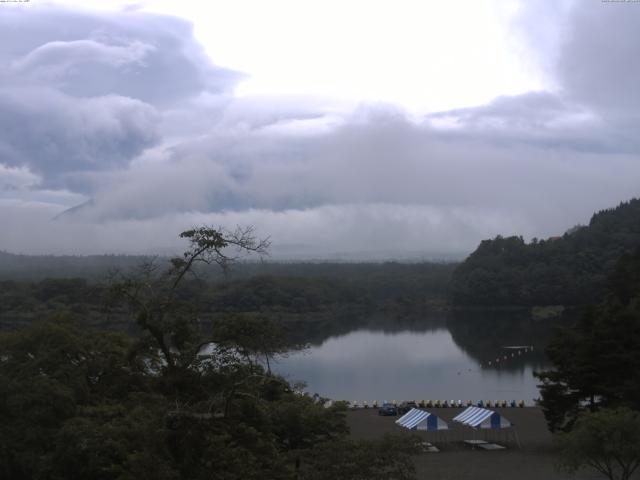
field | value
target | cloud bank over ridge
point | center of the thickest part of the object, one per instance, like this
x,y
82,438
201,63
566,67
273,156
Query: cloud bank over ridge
x,y
123,114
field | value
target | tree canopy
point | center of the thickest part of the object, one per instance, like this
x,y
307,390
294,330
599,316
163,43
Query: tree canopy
x,y
171,402
607,441
568,270
596,361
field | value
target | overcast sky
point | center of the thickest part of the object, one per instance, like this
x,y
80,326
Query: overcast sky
x,y
361,129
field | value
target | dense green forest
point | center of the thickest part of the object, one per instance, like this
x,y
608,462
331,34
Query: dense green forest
x,y
292,293
178,400
567,270
595,357
97,267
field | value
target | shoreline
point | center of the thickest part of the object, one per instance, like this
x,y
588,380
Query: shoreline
x,y
535,460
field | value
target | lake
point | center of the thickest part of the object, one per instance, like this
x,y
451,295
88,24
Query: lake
x,y
425,362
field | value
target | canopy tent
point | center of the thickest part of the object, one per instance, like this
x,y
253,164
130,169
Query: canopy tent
x,y
416,419
477,417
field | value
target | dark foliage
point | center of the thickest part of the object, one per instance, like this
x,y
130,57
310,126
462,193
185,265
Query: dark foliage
x,y
292,292
607,441
567,270
170,402
597,360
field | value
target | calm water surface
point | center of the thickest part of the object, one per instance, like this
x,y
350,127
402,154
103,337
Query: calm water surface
x,y
376,365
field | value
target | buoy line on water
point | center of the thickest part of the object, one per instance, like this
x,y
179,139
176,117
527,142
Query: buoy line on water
x,y
356,405
520,349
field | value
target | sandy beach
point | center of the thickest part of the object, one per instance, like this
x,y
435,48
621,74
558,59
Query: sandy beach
x,y
534,460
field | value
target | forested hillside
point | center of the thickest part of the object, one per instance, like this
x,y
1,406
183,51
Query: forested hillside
x,y
567,270
296,292
596,361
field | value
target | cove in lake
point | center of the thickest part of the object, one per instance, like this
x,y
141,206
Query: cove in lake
x,y
448,360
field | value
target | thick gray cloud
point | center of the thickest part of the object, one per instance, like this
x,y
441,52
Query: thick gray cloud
x,y
125,109
54,60
386,160
83,91
587,49
53,133
149,57
362,231
541,119
598,62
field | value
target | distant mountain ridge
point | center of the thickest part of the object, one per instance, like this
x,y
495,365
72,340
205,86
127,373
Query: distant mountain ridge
x,y
567,270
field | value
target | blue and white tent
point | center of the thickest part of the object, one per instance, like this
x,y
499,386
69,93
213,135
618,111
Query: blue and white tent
x,y
477,417
416,419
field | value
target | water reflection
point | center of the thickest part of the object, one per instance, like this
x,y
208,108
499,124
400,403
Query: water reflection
x,y
483,336
432,358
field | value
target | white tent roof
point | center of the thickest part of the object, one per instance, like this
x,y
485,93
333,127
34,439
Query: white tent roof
x,y
477,417
416,419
